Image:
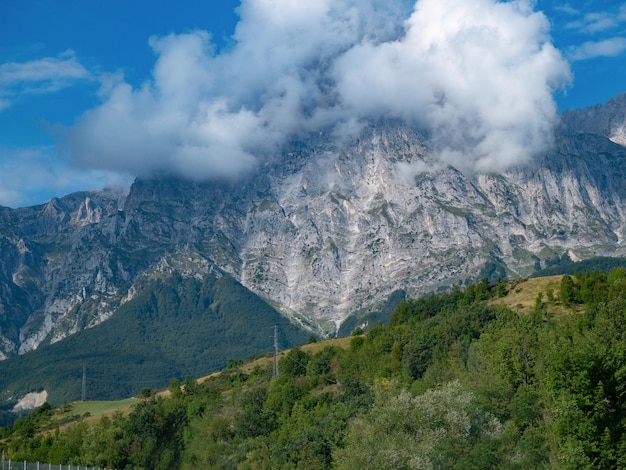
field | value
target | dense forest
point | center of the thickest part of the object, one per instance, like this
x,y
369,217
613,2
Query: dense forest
x,y
458,380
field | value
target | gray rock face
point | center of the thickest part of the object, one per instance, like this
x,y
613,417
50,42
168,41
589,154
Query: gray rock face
x,y
607,120
321,232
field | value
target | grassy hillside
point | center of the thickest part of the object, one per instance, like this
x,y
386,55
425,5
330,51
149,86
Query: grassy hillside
x,y
522,295
173,328
93,410
97,409
466,379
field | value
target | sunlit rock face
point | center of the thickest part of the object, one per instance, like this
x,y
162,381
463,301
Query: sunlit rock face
x,y
324,229
351,225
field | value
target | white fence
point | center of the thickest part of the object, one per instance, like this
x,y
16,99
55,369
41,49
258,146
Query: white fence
x,y
12,465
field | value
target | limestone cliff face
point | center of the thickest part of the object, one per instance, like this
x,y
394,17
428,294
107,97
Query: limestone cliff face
x,y
354,224
324,230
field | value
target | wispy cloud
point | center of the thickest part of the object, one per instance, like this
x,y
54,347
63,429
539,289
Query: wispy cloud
x,y
594,22
30,176
478,74
612,47
567,9
46,75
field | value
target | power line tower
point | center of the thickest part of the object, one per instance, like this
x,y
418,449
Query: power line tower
x,y
275,374
83,395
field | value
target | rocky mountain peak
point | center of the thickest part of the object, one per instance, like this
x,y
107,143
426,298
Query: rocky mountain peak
x,y
606,120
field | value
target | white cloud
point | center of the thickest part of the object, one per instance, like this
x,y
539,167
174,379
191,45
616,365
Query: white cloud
x,y
594,22
612,47
49,69
568,9
46,75
478,74
10,197
31,176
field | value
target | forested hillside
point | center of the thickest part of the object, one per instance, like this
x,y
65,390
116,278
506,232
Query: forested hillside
x,y
173,327
457,380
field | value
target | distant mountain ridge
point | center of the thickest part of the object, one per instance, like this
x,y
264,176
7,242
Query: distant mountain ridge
x,y
607,120
323,231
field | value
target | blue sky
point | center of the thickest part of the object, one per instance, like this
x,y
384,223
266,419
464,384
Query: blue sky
x,y
94,94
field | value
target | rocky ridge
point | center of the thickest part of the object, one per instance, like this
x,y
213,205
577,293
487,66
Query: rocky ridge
x,y
607,120
324,230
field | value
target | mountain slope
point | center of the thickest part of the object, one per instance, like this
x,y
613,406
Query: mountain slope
x,y
324,230
173,327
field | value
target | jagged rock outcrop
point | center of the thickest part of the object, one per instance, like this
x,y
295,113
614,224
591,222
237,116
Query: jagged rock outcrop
x,y
321,232
607,120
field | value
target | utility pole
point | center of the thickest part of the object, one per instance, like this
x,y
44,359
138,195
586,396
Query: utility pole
x,y
275,374
83,395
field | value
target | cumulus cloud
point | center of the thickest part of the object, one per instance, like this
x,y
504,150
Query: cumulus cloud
x,y
478,75
46,75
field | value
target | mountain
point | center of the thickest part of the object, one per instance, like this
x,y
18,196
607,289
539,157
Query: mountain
x,y
324,230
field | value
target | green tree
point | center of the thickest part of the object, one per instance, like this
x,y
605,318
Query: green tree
x,y
253,420
432,430
294,363
567,290
153,435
